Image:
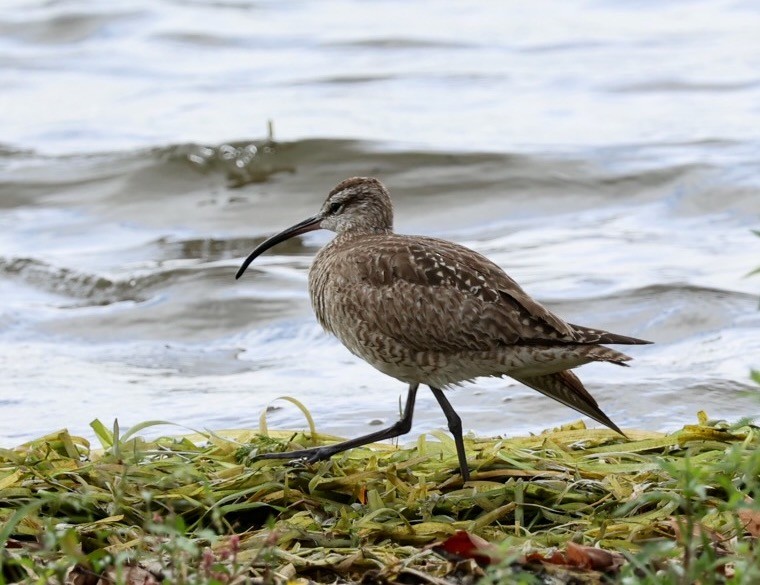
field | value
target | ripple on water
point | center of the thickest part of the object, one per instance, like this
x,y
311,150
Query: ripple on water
x,y
120,292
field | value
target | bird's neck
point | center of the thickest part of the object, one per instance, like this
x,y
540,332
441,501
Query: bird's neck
x,y
358,232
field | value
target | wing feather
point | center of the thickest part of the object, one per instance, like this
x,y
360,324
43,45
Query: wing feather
x,y
434,295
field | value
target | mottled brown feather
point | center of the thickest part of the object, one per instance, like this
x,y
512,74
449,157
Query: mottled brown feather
x,y
434,295
565,387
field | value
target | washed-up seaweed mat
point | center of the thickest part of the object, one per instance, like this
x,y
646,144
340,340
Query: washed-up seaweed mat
x,y
373,510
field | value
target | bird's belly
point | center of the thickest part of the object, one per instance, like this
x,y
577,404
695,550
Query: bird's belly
x,y
337,312
446,368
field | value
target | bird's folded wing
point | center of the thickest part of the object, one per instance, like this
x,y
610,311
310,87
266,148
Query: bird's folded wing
x,y
434,295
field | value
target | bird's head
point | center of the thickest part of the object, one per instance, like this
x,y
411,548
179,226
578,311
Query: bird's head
x,y
358,205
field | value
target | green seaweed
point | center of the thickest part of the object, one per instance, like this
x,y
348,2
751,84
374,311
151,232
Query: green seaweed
x,y
197,509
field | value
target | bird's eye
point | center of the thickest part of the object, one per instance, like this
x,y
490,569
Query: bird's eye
x,y
334,207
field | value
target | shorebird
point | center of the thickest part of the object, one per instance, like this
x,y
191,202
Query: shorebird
x,y
429,311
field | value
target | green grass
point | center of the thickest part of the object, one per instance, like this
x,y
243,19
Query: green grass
x,y
195,509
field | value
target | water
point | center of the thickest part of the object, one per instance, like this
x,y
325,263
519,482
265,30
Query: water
x,y
607,157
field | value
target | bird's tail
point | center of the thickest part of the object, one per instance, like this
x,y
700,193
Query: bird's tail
x,y
595,336
565,387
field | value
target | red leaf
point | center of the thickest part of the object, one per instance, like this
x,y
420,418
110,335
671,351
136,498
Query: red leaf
x,y
463,545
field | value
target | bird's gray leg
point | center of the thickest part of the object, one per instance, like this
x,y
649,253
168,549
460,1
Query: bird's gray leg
x,y
455,427
401,427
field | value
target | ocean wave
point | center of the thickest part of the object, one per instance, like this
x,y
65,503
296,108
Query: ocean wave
x,y
319,163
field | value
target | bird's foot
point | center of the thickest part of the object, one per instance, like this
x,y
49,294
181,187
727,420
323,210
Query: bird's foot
x,y
299,457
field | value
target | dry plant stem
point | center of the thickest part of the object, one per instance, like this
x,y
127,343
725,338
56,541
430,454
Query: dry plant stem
x,y
161,502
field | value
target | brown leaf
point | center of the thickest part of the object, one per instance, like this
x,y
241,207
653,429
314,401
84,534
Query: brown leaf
x,y
751,521
750,518
586,558
597,559
80,575
556,558
578,556
361,493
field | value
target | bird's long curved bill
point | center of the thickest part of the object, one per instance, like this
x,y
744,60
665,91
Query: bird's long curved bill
x,y
307,225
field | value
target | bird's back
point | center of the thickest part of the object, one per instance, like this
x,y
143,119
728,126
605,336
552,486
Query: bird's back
x,y
428,294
